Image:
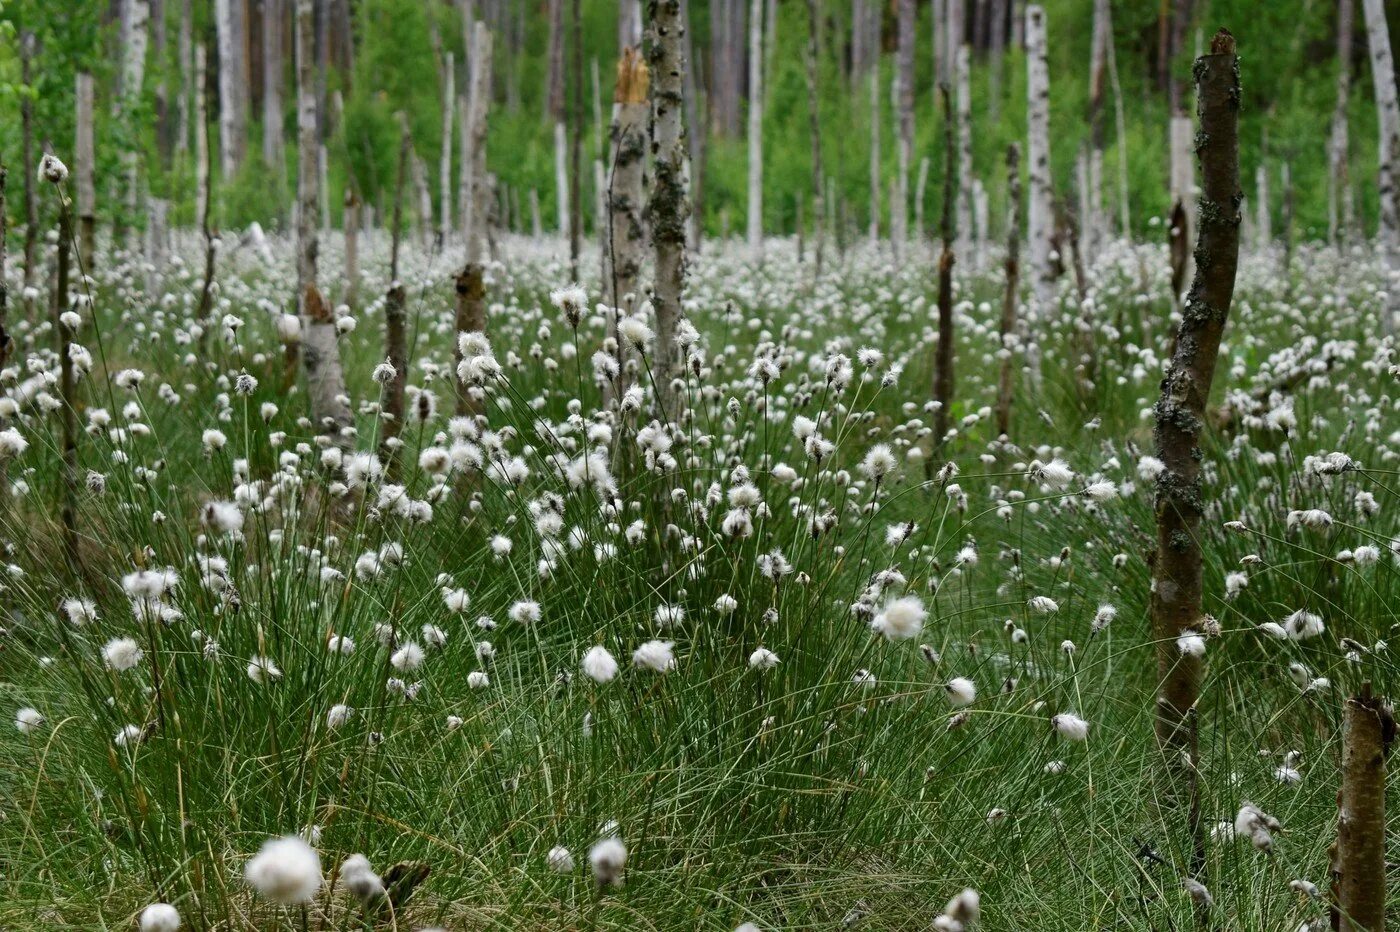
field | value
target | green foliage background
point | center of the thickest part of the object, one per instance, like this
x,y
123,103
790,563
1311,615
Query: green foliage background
x,y
1288,51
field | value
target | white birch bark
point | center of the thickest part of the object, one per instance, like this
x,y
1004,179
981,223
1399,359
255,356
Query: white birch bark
x,y
1041,208
965,173
1338,176
669,206
1388,151
755,200
561,177
479,94
83,154
201,133
904,105
627,235
874,154
449,103
273,150
228,16
1263,228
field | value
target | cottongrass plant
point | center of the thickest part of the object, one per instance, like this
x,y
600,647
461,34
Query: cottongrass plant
x,y
769,660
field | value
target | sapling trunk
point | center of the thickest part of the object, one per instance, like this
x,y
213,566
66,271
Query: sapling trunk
x,y
1367,730
350,220
1008,338
68,411
396,353
1180,420
669,208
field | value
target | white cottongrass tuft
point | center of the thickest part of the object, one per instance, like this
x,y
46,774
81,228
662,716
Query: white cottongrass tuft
x,y
657,656
1071,726
608,857
121,654
599,665
159,917
901,619
287,870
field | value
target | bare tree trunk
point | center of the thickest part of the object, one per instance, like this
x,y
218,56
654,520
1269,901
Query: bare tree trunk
x,y
755,200
1338,176
471,281
350,221
1182,175
1008,332
668,208
1041,214
201,135
6,344
1180,420
185,52
943,362
576,145
1388,117
629,24
995,53
627,235
1091,220
449,102
68,389
31,202
904,97
1120,126
233,111
695,139
320,353
1367,731
920,190
964,156
815,130
272,146
83,155
395,323
875,155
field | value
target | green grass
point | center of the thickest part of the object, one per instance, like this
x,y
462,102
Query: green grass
x,y
789,797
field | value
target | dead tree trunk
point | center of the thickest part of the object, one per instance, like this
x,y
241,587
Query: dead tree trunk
x,y
668,207
203,194
1388,117
626,233
272,147
5,342
83,155
815,129
1008,332
904,78
1367,731
755,201
962,72
31,202
233,111
449,103
320,353
1338,176
68,388
576,145
1180,420
1091,220
350,221
471,281
395,325
557,111
875,155
1120,127
1041,214
943,362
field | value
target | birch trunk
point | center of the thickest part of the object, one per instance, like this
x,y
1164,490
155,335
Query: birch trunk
x,y
1263,225
350,220
668,207
755,201
995,52
1338,180
904,101
1388,152
185,52
449,102
68,389
627,235
273,150
1008,331
83,156
320,353
576,144
31,201
1041,213
1176,600
471,281
1120,126
874,155
1361,825
202,167
561,177
964,159
233,129
1091,219
814,127
943,361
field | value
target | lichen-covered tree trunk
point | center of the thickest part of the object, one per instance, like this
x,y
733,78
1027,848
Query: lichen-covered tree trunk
x,y
1008,329
1388,152
1361,826
320,351
755,198
668,209
1180,421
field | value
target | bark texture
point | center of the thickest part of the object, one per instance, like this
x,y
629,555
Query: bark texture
x,y
943,362
1367,729
1180,421
755,199
1041,213
83,157
668,209
1009,299
1388,117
